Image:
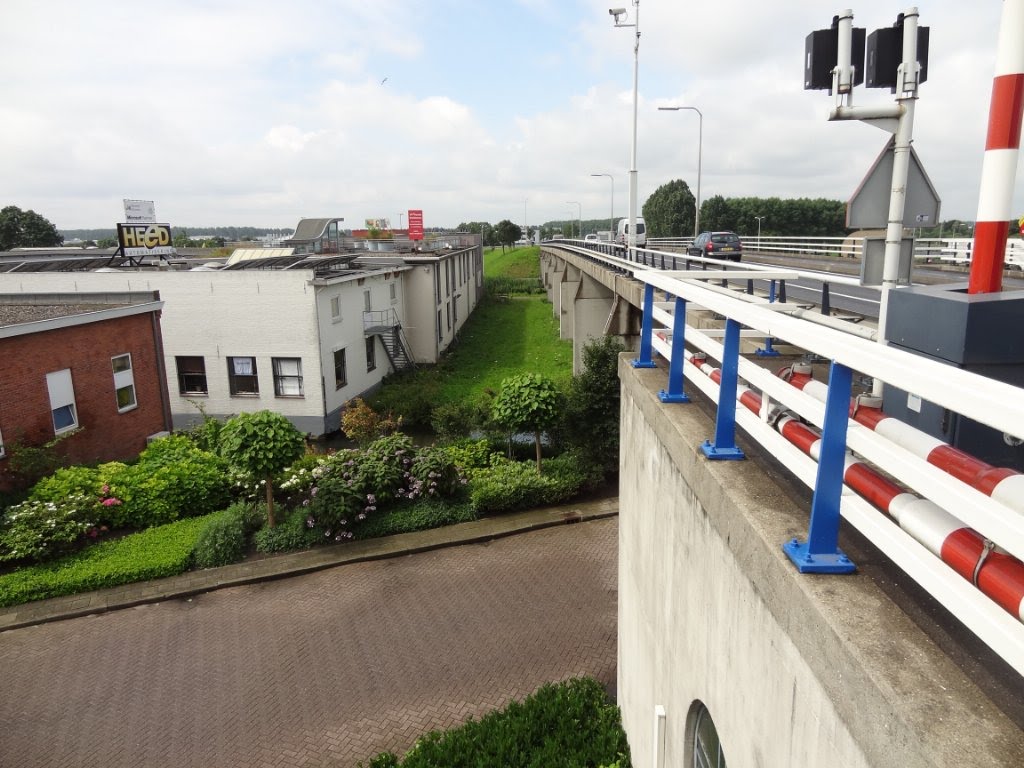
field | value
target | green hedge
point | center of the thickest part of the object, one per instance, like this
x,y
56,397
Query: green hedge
x,y
151,554
419,515
512,485
566,725
224,538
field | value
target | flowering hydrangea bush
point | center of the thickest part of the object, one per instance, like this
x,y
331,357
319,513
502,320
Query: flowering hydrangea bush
x,y
38,530
351,485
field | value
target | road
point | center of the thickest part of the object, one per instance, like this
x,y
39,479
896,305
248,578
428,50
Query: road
x,y
325,669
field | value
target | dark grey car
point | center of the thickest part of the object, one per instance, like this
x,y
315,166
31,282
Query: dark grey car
x,y
717,245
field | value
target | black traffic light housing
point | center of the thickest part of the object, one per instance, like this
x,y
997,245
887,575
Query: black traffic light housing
x,y
821,54
885,54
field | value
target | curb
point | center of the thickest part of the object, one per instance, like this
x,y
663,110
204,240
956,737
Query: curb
x,y
299,563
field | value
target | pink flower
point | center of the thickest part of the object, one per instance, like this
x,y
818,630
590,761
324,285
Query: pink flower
x,y
111,502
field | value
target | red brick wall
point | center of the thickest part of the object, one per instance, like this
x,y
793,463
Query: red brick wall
x,y
105,435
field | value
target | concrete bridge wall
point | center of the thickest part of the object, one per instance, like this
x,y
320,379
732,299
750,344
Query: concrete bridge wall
x,y
795,670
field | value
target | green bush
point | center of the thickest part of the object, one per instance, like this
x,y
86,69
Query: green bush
x,y
172,479
225,536
156,553
419,515
564,725
468,455
462,417
69,481
39,530
511,485
291,534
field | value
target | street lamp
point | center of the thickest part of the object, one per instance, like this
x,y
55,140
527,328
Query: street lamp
x,y
700,154
618,14
579,231
526,227
611,212
759,220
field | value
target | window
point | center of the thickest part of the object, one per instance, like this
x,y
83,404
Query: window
x,y
287,376
440,332
191,375
336,309
242,379
371,353
340,372
62,401
393,290
707,749
124,382
366,301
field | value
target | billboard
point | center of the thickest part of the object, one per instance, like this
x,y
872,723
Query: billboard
x,y
139,211
145,239
380,224
415,225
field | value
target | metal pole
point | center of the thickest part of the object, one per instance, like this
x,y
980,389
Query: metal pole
x,y
579,232
906,87
759,218
632,165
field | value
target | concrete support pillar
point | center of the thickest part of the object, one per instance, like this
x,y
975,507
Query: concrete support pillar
x,y
566,298
591,312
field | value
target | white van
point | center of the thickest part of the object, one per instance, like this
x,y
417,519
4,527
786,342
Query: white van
x,y
641,232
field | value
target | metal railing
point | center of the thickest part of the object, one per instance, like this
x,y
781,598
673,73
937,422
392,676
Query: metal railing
x,y
996,404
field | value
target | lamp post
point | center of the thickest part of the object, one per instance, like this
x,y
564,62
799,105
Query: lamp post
x,y
759,220
700,155
611,211
579,231
617,14
526,228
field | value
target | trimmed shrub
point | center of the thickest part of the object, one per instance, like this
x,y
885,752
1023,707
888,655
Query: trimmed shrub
x,y
419,515
564,725
156,553
224,537
511,485
291,534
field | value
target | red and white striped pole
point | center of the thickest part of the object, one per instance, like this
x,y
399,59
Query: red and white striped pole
x,y
1002,145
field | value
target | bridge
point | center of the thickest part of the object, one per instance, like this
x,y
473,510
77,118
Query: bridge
x,y
804,579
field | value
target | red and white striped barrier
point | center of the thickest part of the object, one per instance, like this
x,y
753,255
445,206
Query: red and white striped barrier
x,y
996,574
1002,145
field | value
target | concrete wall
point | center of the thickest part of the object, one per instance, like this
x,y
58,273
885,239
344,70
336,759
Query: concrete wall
x,y
795,670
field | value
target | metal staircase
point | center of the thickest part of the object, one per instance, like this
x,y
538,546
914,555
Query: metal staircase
x,y
385,325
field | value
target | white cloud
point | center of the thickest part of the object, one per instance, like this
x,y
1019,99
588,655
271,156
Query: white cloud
x,y
260,113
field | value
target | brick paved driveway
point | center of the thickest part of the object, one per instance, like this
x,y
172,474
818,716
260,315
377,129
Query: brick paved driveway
x,y
325,669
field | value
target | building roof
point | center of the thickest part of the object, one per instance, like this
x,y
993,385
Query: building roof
x,y
311,229
25,313
15,314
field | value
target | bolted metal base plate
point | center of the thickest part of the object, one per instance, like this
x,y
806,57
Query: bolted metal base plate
x,y
805,562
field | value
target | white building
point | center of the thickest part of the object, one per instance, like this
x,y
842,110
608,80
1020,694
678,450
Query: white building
x,y
301,335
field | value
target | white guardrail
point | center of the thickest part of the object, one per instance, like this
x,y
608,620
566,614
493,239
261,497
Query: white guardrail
x,y
929,499
952,250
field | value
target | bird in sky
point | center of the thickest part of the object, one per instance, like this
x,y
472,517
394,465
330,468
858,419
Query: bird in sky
x,y
383,81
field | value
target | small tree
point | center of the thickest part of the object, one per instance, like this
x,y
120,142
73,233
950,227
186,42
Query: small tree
x,y
262,444
527,401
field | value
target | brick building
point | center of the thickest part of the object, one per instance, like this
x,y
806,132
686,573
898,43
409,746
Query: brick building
x,y
88,367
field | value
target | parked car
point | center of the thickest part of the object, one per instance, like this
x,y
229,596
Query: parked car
x,y
717,245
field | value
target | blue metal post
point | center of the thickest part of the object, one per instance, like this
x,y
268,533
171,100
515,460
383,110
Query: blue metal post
x,y
724,446
821,553
769,350
646,329
674,393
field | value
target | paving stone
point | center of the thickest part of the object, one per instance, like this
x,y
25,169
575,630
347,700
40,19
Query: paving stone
x,y
324,669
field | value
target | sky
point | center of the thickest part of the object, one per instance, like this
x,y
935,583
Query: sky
x,y
260,113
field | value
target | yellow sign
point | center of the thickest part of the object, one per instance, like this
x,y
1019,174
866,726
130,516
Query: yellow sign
x,y
144,239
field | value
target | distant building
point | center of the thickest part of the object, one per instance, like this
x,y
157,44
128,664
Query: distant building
x,y
299,333
88,366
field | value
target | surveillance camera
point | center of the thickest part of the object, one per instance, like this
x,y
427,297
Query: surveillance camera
x,y
616,12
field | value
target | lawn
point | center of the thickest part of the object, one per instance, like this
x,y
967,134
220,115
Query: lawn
x,y
513,262
504,336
